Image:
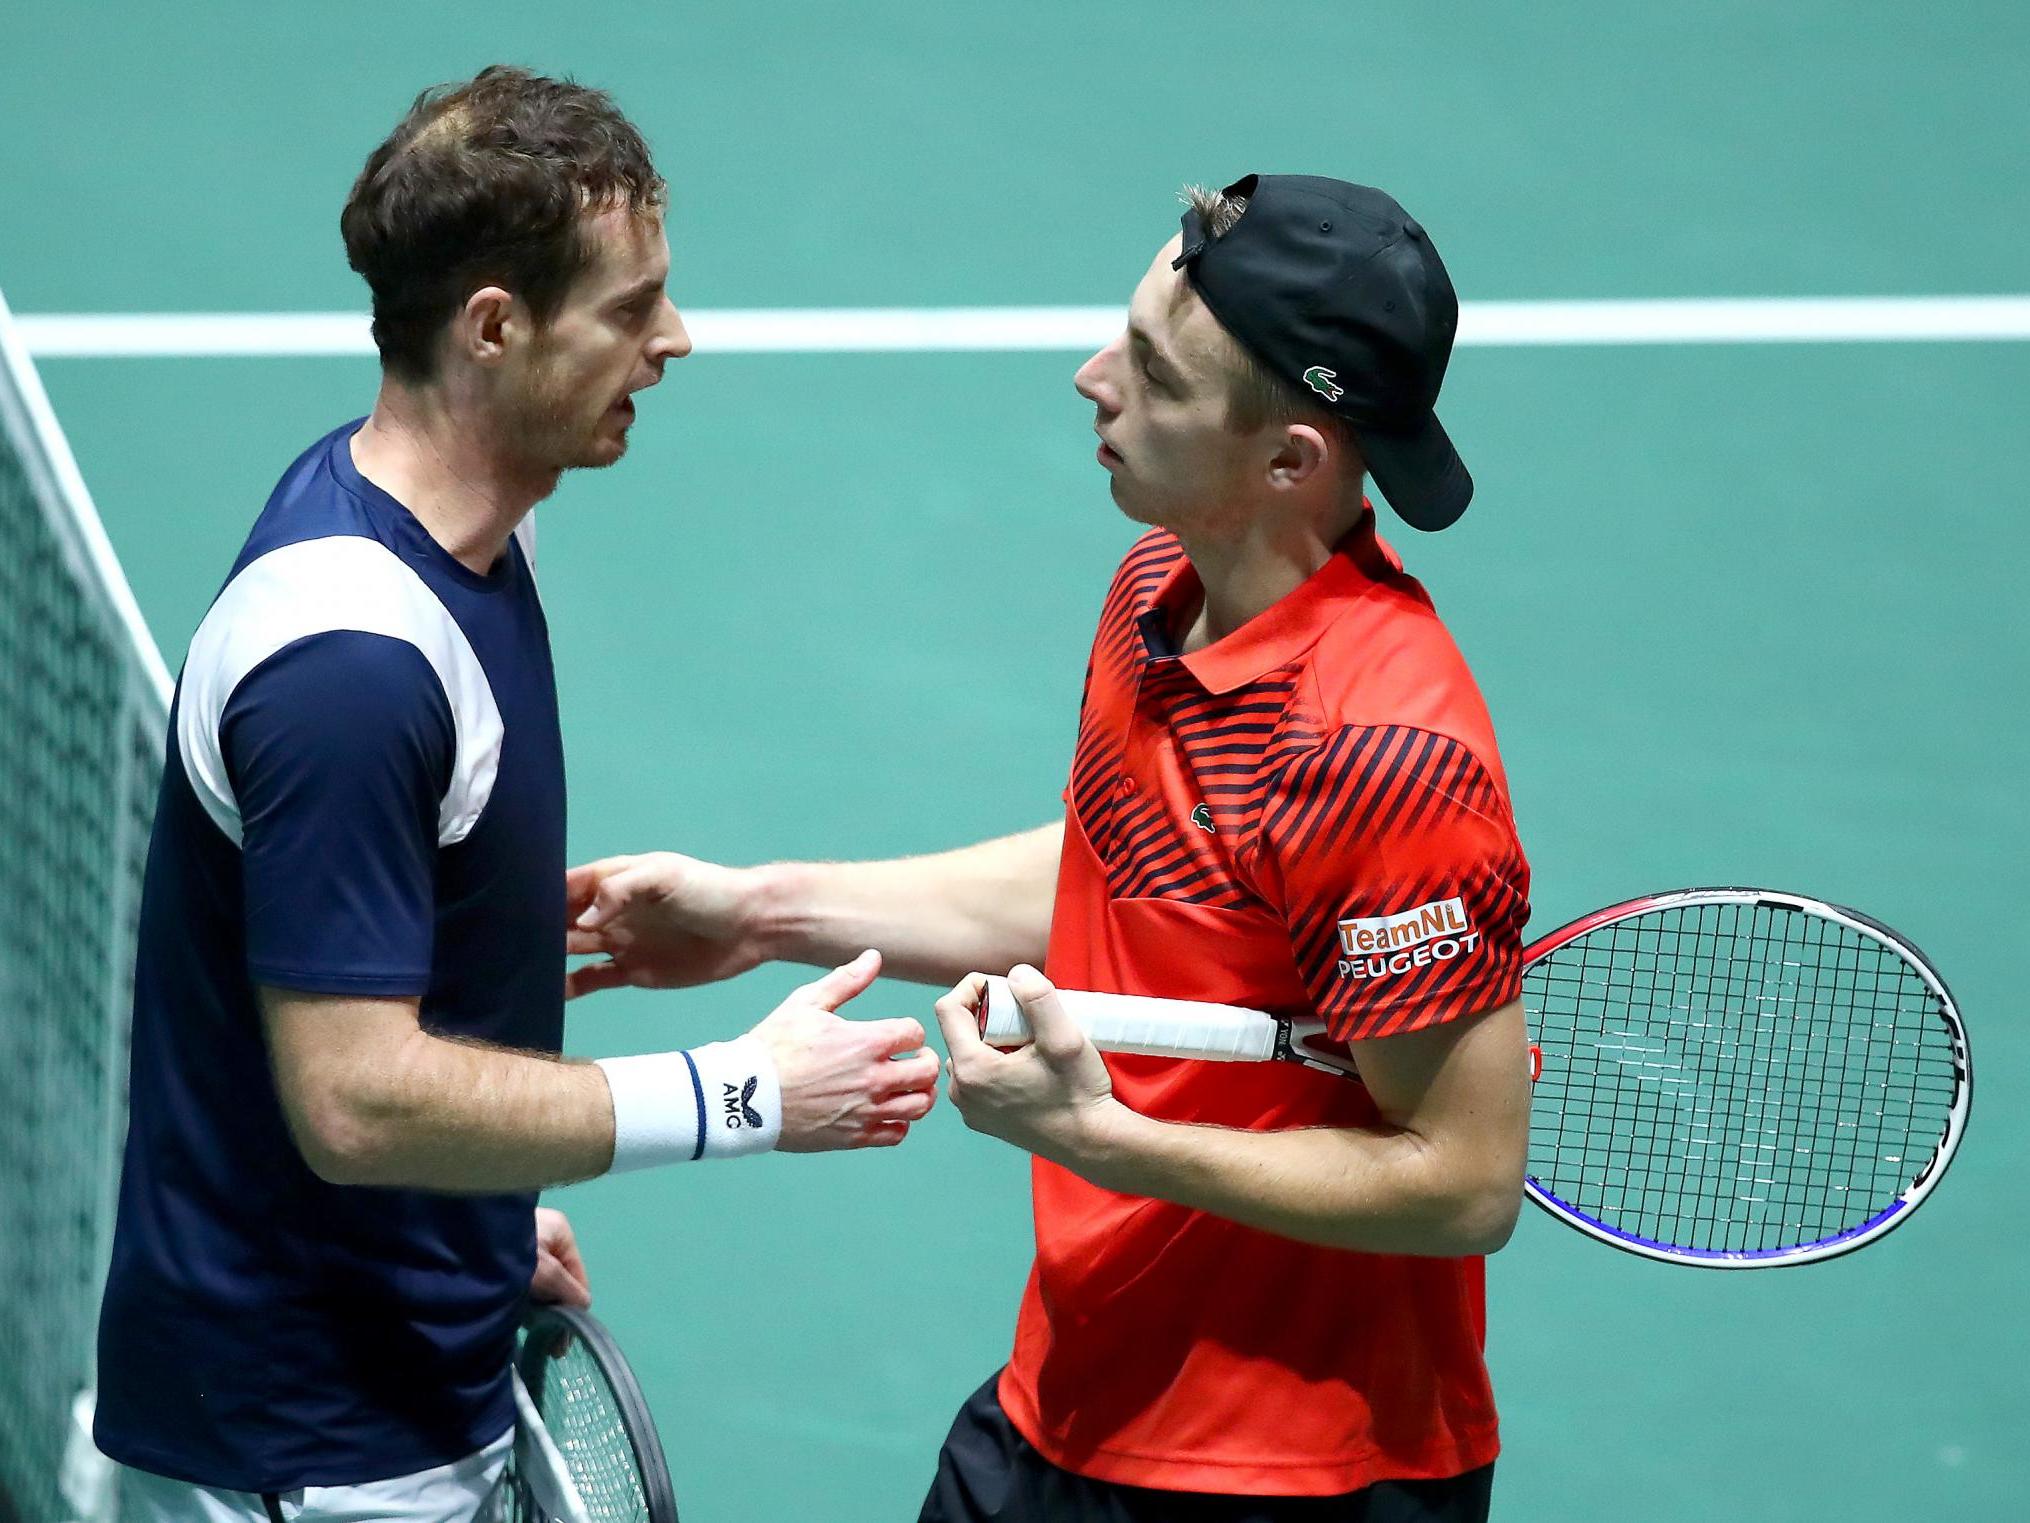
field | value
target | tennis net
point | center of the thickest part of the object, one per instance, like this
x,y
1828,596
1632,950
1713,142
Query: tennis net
x,y
83,707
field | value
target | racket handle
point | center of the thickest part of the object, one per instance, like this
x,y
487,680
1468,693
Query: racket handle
x,y
1136,1023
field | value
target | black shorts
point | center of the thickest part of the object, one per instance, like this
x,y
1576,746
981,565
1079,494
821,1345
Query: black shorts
x,y
989,1473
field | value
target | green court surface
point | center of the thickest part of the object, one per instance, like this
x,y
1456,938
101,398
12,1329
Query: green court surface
x,y
1743,613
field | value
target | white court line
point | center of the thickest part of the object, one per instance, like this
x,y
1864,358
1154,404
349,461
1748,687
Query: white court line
x,y
868,330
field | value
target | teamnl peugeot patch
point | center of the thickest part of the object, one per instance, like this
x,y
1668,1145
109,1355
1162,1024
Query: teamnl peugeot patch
x,y
1376,946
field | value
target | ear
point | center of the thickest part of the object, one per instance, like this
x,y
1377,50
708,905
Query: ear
x,y
483,323
1300,456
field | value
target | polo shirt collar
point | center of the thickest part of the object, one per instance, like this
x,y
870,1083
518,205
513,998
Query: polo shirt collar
x,y
1279,633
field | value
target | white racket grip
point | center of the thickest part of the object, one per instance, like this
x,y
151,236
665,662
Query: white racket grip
x,y
1136,1023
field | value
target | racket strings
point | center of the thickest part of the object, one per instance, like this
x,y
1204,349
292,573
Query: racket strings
x,y
591,1431
586,1424
1734,1077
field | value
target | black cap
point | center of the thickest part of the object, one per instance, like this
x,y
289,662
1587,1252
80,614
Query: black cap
x,y
1334,288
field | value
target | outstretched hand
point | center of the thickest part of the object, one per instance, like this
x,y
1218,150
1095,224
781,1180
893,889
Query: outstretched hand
x,y
846,1084
1052,1098
661,920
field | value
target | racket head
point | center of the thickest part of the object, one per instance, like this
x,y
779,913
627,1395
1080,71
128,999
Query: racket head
x,y
1740,1078
591,1407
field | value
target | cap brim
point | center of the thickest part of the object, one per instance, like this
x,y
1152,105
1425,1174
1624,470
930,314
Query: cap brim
x,y
1418,471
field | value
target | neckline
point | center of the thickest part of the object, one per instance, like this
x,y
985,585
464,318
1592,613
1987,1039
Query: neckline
x,y
417,539
1287,627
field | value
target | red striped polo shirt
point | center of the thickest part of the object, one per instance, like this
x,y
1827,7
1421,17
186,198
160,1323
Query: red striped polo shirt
x,y
1308,815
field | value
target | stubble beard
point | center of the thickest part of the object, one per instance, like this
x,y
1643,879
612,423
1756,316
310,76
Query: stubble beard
x,y
550,432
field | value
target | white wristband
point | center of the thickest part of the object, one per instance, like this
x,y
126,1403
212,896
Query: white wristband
x,y
720,1101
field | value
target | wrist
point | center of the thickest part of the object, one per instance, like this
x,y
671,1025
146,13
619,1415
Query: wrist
x,y
1108,1145
723,1100
769,908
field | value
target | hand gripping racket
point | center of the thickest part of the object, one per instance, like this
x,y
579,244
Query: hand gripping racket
x,y
1733,1078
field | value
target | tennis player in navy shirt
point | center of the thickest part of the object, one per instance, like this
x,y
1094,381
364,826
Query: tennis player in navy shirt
x,y
349,996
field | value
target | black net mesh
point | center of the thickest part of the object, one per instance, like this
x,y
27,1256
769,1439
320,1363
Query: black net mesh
x,y
81,725
1734,1077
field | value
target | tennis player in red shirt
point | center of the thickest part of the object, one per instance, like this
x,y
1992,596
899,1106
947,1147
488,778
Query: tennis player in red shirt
x,y
1258,1289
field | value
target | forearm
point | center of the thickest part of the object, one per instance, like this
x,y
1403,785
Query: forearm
x,y
1378,1191
934,918
462,1117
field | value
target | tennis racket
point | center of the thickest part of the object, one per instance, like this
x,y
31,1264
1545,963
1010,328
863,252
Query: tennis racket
x,y
586,1449
1732,1078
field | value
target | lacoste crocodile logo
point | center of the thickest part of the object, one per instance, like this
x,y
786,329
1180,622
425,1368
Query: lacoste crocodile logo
x,y
1324,382
1202,818
740,1109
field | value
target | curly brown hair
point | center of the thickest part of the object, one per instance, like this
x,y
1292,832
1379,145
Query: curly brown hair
x,y
489,182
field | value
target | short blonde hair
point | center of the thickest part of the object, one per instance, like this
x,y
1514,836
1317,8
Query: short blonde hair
x,y
1255,395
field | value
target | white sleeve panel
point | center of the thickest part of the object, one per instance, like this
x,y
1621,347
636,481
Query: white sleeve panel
x,y
525,531
345,582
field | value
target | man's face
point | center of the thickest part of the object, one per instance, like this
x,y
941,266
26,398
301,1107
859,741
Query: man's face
x,y
568,396
1161,390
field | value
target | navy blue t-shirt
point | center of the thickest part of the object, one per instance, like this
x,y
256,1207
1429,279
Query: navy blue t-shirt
x,y
364,795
